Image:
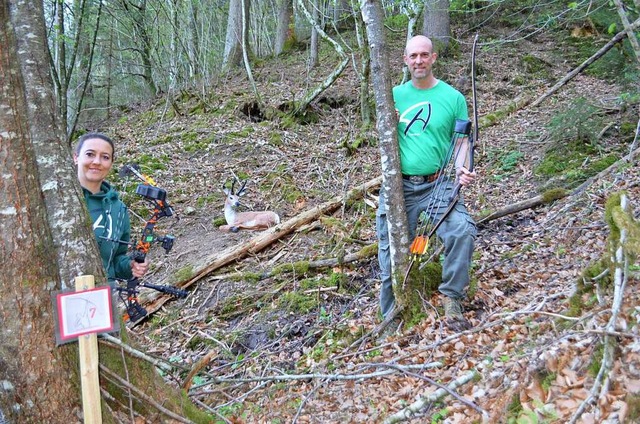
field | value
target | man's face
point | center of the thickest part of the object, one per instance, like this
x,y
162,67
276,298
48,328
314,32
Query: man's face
x,y
419,58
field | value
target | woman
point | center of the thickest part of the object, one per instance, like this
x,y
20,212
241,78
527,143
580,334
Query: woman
x,y
94,156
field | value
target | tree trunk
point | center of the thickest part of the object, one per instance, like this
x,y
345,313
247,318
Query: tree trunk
x,y
435,22
283,32
389,153
35,381
44,246
233,41
366,113
341,14
313,48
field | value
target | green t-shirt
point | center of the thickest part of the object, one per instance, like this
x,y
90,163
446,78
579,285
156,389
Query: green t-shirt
x,y
426,121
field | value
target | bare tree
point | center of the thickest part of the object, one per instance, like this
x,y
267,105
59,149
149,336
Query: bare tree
x,y
234,39
389,153
436,23
283,32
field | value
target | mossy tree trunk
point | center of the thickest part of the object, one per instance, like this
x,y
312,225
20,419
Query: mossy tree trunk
x,y
389,153
35,380
45,242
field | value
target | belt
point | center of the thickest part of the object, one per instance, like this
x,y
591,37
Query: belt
x,y
420,179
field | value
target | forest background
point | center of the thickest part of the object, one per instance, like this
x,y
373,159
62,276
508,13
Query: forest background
x,y
288,335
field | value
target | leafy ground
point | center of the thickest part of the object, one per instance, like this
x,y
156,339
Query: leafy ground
x,y
289,348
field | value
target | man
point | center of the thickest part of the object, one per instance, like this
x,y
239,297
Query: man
x,y
427,110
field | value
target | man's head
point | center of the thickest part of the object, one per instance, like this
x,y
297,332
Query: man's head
x,y
419,58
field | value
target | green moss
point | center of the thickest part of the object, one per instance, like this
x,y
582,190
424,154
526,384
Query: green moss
x,y
221,220
633,402
183,274
596,360
153,163
553,194
298,268
298,303
534,66
421,283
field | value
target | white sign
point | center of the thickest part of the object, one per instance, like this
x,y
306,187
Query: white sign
x,y
84,312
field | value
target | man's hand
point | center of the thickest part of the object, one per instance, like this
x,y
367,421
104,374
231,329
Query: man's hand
x,y
139,269
464,176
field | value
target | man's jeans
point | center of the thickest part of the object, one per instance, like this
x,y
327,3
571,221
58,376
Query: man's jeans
x,y
458,233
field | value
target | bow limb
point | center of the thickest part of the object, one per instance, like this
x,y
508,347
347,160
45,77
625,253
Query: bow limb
x,y
471,140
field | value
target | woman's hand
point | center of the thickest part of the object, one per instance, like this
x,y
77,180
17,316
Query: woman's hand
x,y
139,269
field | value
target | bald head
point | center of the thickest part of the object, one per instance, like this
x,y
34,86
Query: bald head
x,y
419,58
418,41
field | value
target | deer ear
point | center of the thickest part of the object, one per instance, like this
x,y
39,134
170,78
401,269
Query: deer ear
x,y
226,191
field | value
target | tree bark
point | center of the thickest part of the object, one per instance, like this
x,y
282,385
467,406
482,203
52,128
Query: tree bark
x,y
36,384
43,246
233,41
389,153
283,33
313,47
435,22
72,233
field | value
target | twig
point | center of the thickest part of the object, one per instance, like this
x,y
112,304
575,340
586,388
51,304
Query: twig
x,y
148,399
329,377
411,410
109,339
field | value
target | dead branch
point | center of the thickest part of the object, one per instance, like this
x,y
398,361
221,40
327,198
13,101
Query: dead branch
x,y
411,410
265,239
618,37
533,202
554,195
109,340
622,219
342,377
364,253
146,398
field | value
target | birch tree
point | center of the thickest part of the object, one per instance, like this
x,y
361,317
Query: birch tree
x,y
386,123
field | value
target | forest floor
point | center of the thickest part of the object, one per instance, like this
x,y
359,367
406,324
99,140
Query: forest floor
x,y
290,348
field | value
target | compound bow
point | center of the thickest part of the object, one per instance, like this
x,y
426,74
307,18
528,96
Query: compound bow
x,y
161,208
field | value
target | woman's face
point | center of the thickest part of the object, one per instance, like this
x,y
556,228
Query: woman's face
x,y
94,163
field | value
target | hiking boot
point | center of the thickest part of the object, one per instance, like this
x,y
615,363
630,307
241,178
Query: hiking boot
x,y
454,319
452,308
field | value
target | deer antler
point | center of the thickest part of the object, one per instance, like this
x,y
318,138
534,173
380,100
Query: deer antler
x,y
241,191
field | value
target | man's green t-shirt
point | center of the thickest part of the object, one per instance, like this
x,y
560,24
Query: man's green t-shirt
x,y
426,122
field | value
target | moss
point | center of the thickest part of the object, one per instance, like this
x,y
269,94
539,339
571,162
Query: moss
x,y
298,303
553,195
183,274
298,268
150,162
535,66
596,360
633,402
422,282
618,219
143,375
221,220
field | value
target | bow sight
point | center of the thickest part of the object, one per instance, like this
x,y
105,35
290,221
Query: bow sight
x,y
161,208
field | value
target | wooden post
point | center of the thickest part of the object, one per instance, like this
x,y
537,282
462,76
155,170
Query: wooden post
x,y
88,352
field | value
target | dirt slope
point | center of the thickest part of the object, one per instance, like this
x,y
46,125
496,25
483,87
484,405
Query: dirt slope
x,y
274,347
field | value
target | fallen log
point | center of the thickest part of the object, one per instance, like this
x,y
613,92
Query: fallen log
x,y
541,199
263,240
597,55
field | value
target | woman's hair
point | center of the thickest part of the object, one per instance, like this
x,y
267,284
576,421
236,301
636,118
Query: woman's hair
x,y
89,136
